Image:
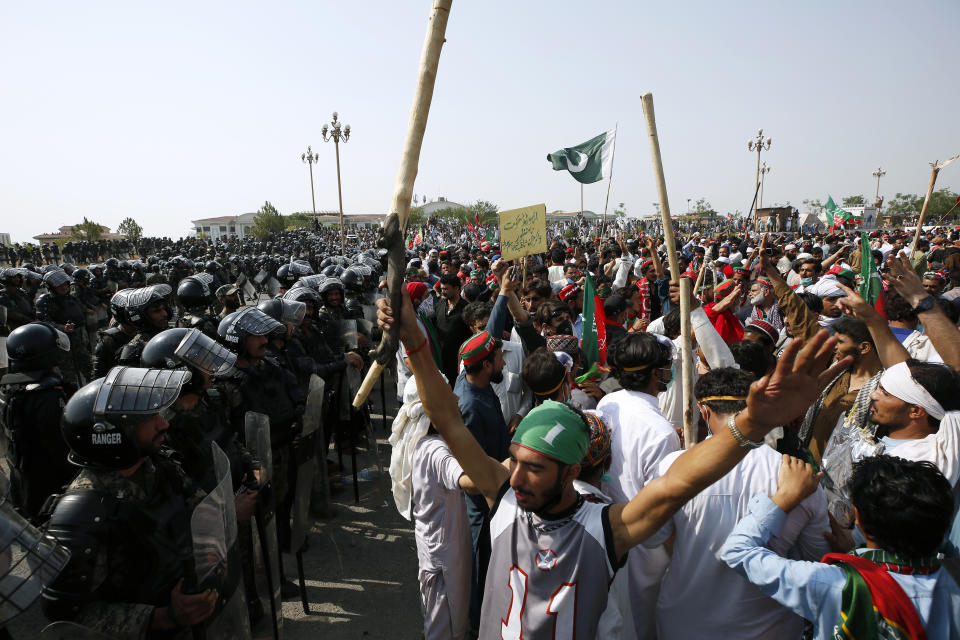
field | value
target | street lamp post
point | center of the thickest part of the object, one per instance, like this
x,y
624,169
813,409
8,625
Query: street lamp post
x,y
764,170
309,157
758,145
336,134
879,173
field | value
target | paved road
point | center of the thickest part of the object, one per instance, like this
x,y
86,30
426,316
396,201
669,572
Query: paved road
x,y
360,568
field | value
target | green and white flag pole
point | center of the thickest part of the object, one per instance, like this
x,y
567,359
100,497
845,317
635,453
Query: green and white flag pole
x,y
606,203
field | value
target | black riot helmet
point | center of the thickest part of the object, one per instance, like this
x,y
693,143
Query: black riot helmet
x,y
190,348
329,285
333,271
36,347
249,321
193,293
112,263
82,276
352,280
100,420
300,268
12,276
139,299
56,277
302,293
284,310
212,266
118,305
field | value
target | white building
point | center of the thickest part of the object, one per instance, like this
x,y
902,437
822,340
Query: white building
x,y
5,239
224,226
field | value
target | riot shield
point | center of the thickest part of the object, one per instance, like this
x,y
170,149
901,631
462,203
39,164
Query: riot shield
x,y
260,277
305,459
28,560
249,293
70,631
370,314
216,557
348,333
271,286
265,545
305,454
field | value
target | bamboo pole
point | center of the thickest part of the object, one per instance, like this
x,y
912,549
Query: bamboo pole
x,y
689,430
937,166
606,203
395,226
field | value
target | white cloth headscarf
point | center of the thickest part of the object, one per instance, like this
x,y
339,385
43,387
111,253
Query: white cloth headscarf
x,y
409,427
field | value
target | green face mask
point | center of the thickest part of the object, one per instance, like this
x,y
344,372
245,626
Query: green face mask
x,y
806,281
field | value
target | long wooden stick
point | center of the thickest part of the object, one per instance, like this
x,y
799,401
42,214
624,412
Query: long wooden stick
x,y
689,431
396,225
606,203
937,166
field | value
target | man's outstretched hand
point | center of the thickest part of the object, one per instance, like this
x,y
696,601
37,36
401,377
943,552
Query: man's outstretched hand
x,y
801,374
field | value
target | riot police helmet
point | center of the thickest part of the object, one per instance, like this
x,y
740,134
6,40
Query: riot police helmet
x,y
329,285
112,263
193,293
284,310
118,304
352,280
139,300
249,321
212,266
332,271
100,420
191,348
82,276
8,276
55,278
302,293
36,347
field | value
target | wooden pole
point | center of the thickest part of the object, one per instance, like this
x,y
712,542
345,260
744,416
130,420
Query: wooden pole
x,y
937,166
689,430
606,203
396,225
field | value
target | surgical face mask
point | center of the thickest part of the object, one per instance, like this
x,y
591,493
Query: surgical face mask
x,y
806,281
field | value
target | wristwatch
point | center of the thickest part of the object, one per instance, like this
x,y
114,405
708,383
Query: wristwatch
x,y
739,437
925,305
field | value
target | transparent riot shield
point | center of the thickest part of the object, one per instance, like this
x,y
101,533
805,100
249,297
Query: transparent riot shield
x,y
265,545
305,459
306,465
28,560
271,286
70,631
370,313
216,557
348,333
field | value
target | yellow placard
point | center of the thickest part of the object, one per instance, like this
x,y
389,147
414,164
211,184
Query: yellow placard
x,y
523,231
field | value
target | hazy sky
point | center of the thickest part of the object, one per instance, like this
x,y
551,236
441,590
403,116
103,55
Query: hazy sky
x,y
174,111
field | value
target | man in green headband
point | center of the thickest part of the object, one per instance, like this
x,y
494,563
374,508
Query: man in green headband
x,y
553,553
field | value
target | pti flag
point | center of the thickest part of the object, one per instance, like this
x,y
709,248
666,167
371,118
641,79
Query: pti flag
x,y
593,340
835,215
588,162
871,285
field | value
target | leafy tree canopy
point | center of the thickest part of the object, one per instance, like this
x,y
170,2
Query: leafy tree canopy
x,y
130,228
267,221
87,230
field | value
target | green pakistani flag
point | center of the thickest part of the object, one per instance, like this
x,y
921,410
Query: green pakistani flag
x,y
834,212
871,289
589,161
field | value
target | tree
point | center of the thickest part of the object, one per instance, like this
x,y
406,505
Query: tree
x,y
298,220
703,209
854,201
267,221
131,229
813,206
416,218
620,210
907,204
487,211
86,230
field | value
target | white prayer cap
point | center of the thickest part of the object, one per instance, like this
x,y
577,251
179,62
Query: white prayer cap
x,y
790,247
723,259
826,287
804,256
898,382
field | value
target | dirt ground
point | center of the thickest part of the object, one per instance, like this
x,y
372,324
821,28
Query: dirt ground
x,y
360,568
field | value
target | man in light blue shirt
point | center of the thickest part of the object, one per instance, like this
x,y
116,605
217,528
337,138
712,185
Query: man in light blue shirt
x,y
903,508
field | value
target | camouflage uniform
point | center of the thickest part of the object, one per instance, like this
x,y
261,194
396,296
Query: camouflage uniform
x,y
125,559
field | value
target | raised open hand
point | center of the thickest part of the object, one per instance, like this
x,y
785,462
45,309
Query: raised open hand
x,y
802,372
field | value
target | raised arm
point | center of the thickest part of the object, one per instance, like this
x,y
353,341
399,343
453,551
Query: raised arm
x,y
794,385
440,404
942,333
803,322
889,349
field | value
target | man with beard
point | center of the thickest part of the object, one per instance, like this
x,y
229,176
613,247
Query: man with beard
x,y
764,302
723,311
125,518
228,296
554,554
448,319
483,364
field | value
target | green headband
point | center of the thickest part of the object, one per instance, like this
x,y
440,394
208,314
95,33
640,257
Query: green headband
x,y
554,430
